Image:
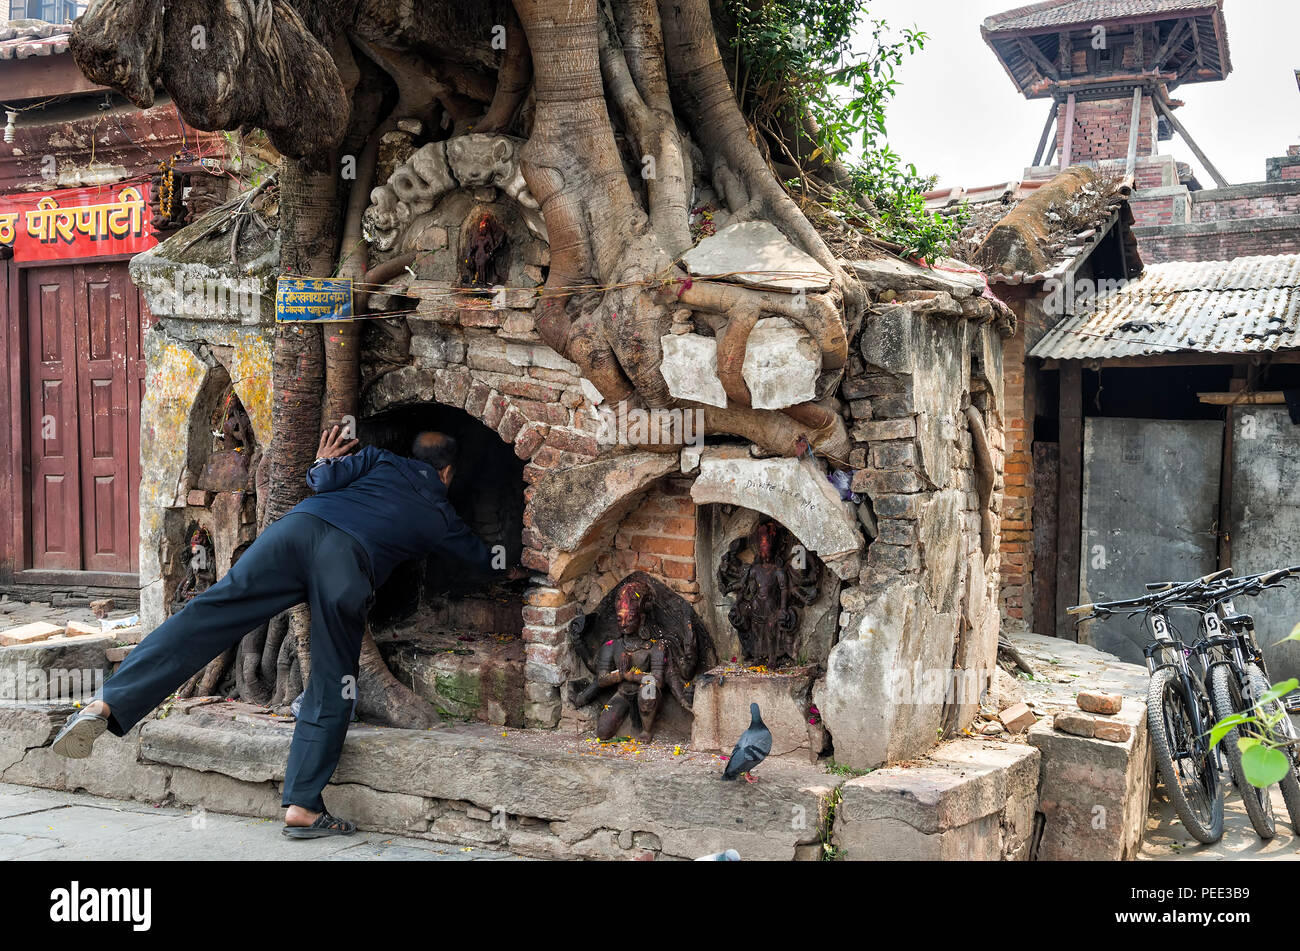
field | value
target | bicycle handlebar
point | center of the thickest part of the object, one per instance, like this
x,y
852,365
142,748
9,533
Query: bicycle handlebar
x,y
1201,590
1157,586
1164,590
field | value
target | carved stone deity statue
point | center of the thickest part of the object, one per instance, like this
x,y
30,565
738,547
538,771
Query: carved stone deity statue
x,y
769,591
656,643
200,570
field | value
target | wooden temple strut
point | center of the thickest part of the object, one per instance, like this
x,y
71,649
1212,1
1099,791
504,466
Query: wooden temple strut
x,y
1196,149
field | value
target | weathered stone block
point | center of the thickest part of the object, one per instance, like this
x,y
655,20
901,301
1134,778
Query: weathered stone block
x,y
1094,793
880,429
968,801
781,364
220,793
690,368
29,633
721,708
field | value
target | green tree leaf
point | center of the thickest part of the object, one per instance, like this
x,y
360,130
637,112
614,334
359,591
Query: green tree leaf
x,y
1278,691
1226,726
1263,765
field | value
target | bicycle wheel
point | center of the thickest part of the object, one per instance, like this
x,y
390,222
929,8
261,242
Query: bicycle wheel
x,y
1189,775
1290,783
1225,698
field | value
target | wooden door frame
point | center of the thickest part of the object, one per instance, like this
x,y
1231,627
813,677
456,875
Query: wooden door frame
x,y
16,501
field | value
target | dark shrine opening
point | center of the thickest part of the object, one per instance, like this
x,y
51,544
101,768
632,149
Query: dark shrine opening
x,y
437,594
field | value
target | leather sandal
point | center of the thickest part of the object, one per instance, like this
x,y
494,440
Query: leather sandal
x,y
325,825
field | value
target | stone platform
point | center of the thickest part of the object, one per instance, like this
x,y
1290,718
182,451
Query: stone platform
x,y
1093,793
532,792
550,794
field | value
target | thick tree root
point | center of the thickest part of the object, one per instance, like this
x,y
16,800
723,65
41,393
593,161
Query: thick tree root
x,y
383,699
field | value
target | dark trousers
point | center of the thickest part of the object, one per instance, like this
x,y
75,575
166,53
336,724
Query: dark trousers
x,y
298,558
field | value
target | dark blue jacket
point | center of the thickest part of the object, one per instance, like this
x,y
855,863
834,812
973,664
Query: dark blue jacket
x,y
395,507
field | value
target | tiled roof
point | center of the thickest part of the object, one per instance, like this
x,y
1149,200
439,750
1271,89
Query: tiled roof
x,y
20,39
1061,13
1247,305
1065,237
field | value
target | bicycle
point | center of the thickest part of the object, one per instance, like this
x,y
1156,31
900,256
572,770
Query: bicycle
x,y
1239,684
1235,680
1178,706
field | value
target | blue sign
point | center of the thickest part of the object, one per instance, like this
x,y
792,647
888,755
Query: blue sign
x,y
313,298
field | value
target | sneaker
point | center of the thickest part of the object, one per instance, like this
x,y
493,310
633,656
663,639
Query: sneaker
x,y
79,734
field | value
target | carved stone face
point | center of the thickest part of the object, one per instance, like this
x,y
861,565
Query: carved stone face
x,y
479,160
630,608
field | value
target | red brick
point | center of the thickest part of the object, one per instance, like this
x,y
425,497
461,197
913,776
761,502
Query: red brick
x,y
572,440
529,439
685,570
684,547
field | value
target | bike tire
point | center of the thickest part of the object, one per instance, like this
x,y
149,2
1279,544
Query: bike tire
x,y
1290,783
1168,721
1226,700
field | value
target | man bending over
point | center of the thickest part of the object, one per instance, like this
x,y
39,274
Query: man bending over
x,y
371,512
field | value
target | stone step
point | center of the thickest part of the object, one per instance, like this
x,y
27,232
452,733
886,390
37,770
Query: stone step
x,y
535,792
969,799
1093,793
68,668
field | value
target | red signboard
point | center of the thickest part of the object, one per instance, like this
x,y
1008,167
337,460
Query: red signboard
x,y
77,222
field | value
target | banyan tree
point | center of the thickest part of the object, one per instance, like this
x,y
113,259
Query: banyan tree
x,y
629,110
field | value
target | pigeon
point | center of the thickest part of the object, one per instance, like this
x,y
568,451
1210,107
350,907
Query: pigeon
x,y
752,747
731,855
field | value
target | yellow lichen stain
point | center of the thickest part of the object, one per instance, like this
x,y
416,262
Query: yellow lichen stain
x,y
250,369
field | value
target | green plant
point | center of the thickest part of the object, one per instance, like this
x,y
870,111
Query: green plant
x,y
830,852
800,81
843,769
1263,756
1263,759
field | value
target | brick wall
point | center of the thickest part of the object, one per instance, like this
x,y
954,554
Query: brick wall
x,y
1017,500
1285,168
1208,206
1157,210
657,537
1220,240
1101,130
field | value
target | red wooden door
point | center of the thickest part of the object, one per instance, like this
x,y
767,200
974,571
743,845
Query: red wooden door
x,y
54,526
86,376
104,297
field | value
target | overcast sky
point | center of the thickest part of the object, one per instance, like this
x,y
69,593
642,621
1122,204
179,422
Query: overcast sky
x,y
959,116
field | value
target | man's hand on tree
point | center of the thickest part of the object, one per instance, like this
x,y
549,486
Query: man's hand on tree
x,y
333,443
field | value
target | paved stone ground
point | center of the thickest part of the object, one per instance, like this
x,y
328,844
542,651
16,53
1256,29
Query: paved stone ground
x,y
1166,838
15,612
44,825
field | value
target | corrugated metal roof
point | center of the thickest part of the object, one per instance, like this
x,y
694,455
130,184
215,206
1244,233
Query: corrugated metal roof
x,y
1247,305
1056,13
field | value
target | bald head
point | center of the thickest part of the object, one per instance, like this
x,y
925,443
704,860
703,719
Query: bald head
x,y
438,450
